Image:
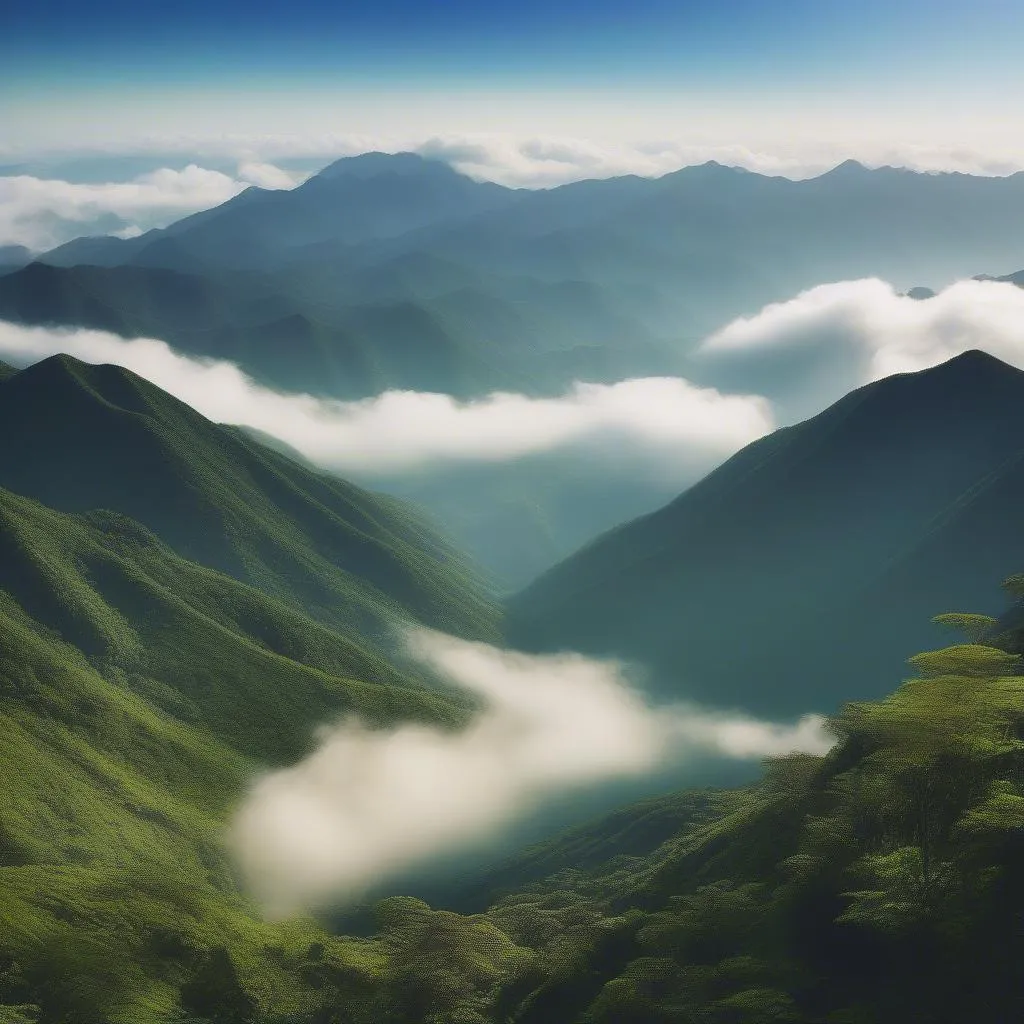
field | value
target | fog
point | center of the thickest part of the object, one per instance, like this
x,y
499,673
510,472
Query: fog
x,y
809,351
397,430
368,805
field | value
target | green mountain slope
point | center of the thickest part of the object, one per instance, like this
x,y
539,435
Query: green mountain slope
x,y
864,521
139,693
218,655
855,887
880,883
101,437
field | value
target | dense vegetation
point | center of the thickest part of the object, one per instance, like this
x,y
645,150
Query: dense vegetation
x,y
102,437
790,900
139,692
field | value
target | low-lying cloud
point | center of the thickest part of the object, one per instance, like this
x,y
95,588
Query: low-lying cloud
x,y
545,160
809,351
41,213
367,805
667,417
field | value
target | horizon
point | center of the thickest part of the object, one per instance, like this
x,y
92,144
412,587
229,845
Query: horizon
x,y
123,120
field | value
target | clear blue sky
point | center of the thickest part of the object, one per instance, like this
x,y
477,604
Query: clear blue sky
x,y
84,71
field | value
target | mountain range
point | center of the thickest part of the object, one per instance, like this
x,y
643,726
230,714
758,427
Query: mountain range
x,y
396,271
183,606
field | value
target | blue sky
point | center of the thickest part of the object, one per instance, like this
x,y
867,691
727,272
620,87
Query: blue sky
x,y
737,72
579,41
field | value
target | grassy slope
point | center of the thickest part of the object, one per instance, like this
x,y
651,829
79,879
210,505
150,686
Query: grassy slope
x,y
138,693
101,437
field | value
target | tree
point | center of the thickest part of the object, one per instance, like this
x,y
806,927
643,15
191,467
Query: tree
x,y
974,627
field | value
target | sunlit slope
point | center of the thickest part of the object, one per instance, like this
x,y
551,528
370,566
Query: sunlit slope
x,y
100,437
139,693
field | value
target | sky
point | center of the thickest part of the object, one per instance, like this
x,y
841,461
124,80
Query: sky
x,y
116,118
766,76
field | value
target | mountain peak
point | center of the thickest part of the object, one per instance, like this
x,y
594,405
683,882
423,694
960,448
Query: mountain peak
x,y
974,361
848,170
370,165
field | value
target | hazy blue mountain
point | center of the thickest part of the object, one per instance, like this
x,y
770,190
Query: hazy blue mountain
x,y
843,534
667,258
355,200
518,518
12,257
421,325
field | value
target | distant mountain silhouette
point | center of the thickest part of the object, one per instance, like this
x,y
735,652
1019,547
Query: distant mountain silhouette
x,y
843,534
13,256
672,258
357,199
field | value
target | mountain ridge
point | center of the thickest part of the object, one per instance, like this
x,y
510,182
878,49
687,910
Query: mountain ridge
x,y
780,542
102,437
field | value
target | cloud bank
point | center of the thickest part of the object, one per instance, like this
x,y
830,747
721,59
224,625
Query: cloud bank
x,y
542,160
368,804
41,213
811,350
667,417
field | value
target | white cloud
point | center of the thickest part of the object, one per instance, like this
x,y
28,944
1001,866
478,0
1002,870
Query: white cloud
x,y
367,804
812,349
266,175
666,417
546,162
551,159
41,213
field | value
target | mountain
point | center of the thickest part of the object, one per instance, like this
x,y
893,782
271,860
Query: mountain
x,y
12,257
514,288
101,437
139,694
850,887
797,574
356,200
790,900
414,323
1016,278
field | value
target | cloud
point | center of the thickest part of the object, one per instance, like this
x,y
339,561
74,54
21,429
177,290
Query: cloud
x,y
536,160
809,351
545,162
670,418
41,213
369,804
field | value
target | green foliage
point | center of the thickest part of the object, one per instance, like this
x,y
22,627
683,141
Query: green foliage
x,y
852,888
355,561
974,627
1014,586
965,660
140,691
